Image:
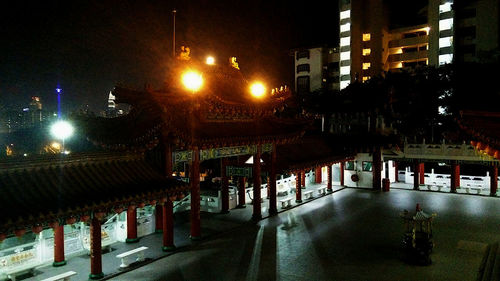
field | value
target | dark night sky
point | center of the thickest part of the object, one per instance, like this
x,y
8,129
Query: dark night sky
x,y
89,46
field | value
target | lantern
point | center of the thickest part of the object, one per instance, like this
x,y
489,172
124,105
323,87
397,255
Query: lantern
x,y
20,232
496,154
54,224
172,198
99,215
473,143
71,220
152,202
84,218
141,205
118,210
36,229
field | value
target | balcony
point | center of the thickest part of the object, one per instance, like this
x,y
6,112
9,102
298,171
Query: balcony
x,y
404,42
413,56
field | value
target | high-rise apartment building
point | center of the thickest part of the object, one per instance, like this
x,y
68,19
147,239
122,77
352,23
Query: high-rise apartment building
x,y
456,30
316,68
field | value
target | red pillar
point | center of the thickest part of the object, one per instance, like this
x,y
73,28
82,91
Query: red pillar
x,y
493,180
158,218
224,187
396,171
303,179
298,190
377,169
168,226
272,182
256,185
95,249
317,172
241,193
195,196
421,173
59,246
132,225
329,177
455,177
342,168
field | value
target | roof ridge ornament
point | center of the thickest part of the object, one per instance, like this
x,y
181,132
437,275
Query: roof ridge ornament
x,y
234,63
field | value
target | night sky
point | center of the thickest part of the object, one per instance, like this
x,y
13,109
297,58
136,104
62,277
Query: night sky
x,y
87,47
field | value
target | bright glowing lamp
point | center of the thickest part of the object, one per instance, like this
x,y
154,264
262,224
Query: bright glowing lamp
x,y
258,90
192,81
210,60
62,130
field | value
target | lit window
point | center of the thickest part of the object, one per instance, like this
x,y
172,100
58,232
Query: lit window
x,y
366,37
344,84
345,70
445,42
345,14
446,24
446,7
444,59
345,27
366,78
366,65
345,41
367,52
345,56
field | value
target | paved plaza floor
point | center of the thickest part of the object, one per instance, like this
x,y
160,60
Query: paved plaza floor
x,y
351,234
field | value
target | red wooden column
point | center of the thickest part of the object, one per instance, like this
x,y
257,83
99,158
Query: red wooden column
x,y
329,177
224,187
256,185
317,173
342,168
59,246
493,180
377,169
168,226
421,173
272,183
195,195
303,179
95,249
396,171
158,218
132,225
241,192
455,177
298,190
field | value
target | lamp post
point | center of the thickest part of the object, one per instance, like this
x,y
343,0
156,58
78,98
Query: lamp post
x,y
62,130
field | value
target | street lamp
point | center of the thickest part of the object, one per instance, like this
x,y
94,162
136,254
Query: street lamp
x,y
258,90
192,80
210,60
62,130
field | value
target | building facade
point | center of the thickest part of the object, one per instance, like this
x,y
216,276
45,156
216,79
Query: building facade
x,y
461,31
316,68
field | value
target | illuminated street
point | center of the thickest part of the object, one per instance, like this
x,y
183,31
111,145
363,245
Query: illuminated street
x,y
352,234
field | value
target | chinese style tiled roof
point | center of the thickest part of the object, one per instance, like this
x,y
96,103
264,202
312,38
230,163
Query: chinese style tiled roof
x,y
483,128
46,189
221,113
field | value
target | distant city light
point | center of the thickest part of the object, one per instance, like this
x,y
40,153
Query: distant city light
x,y
257,89
62,130
58,90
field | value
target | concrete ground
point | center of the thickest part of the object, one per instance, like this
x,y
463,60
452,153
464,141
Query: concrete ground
x,y
351,234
